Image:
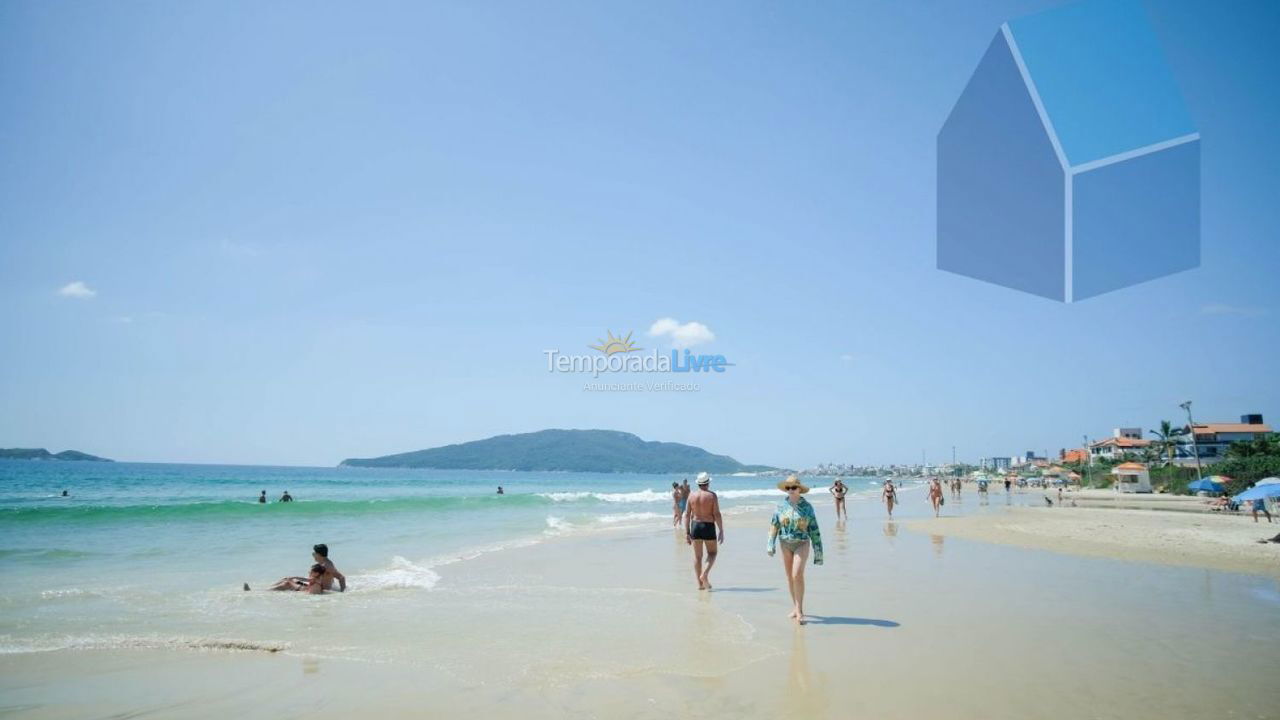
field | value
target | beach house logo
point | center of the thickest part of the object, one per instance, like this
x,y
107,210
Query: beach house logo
x,y
1070,166
620,354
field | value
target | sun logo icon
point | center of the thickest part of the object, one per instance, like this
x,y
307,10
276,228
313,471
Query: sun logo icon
x,y
615,344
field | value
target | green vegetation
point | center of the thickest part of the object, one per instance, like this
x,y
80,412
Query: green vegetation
x,y
1167,439
564,450
42,454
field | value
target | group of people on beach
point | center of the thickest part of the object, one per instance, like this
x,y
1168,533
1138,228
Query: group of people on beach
x,y
793,529
320,578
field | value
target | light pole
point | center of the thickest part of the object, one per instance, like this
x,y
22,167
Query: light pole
x,y
1195,447
1088,456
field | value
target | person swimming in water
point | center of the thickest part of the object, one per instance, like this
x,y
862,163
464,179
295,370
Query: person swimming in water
x,y
262,499
286,497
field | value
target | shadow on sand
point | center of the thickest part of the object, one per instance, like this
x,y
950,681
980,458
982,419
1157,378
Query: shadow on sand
x,y
831,620
743,589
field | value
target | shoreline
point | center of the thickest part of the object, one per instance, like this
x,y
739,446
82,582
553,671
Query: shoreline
x,y
608,623
1163,530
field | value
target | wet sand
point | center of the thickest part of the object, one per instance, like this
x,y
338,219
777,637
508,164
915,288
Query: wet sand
x,y
905,625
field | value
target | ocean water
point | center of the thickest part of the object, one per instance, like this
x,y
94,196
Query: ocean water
x,y
155,554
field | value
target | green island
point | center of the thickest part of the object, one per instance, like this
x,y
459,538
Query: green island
x,y
42,454
603,451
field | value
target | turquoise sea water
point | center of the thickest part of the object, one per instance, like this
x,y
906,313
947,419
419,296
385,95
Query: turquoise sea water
x,y
137,545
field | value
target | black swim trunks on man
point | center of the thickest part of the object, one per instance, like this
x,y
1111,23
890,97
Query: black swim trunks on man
x,y
702,530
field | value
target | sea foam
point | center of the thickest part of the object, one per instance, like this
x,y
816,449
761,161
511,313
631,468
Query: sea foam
x,y
401,575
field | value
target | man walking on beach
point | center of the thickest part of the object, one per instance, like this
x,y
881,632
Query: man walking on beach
x,y
704,529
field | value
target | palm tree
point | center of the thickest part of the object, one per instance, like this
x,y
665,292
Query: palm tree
x,y
1263,445
1150,455
1167,439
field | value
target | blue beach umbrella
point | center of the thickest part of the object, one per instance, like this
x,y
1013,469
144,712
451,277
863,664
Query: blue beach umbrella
x,y
1205,484
1258,493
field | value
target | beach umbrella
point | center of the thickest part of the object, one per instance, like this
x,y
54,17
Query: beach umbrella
x,y
1258,493
1205,484
1268,481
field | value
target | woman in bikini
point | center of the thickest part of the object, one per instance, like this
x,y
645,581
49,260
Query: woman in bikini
x,y
794,526
890,496
935,496
839,490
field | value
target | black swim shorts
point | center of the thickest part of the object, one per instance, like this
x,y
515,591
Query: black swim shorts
x,y
702,530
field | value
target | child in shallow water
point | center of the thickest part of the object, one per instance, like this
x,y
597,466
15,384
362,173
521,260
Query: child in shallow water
x,y
313,584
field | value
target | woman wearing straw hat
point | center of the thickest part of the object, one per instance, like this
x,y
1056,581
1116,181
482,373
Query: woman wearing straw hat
x,y
794,526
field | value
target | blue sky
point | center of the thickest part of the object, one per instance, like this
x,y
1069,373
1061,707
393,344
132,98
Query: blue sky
x,y
322,230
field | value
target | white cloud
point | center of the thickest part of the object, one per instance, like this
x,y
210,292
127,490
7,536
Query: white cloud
x,y
77,289
1225,309
681,335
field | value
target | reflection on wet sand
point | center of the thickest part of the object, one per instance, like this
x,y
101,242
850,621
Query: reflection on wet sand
x,y
891,531
937,544
806,694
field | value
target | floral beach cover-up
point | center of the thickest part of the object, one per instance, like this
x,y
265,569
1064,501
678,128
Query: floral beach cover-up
x,y
795,523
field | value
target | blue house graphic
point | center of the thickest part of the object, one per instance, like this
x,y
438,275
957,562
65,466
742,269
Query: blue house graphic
x,y
1069,166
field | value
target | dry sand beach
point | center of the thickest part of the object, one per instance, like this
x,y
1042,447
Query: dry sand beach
x,y
1175,530
911,619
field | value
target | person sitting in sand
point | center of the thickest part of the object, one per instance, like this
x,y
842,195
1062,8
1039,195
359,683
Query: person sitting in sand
x,y
313,584
321,555
703,529
329,573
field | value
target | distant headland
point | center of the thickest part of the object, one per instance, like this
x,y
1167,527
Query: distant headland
x,y
602,451
42,454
